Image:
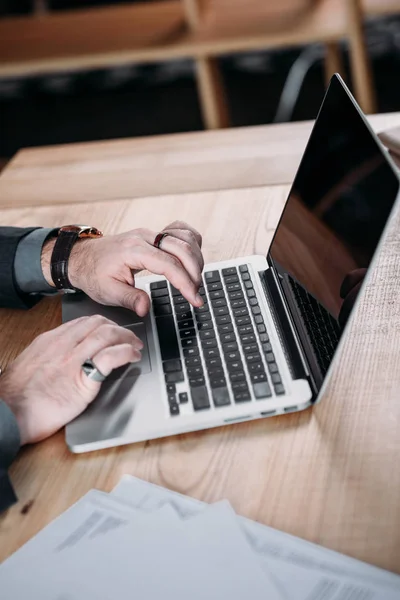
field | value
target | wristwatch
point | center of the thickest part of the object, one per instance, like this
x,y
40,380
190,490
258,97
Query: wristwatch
x,y
66,238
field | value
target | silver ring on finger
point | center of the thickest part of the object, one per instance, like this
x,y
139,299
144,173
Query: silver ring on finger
x,y
90,369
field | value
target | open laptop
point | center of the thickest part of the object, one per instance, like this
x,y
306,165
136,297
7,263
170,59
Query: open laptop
x,y
264,341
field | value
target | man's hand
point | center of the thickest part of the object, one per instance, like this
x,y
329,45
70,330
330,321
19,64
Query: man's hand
x,y
45,387
105,268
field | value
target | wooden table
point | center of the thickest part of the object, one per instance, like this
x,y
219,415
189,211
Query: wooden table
x,y
330,474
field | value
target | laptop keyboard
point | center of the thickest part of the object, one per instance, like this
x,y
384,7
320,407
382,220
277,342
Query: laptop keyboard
x,y
323,330
221,350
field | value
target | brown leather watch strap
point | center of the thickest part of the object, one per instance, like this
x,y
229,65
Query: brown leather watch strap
x,y
60,258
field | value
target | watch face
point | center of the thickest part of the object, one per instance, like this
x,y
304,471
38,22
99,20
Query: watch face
x,y
83,231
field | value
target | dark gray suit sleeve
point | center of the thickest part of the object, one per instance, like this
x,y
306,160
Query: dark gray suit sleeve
x,y
9,446
27,266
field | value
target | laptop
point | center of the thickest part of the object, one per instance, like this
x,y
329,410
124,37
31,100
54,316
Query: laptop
x,y
266,338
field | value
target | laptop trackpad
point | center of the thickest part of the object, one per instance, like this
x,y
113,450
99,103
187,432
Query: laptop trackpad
x,y
138,368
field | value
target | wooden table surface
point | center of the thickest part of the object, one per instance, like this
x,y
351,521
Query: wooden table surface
x,y
330,474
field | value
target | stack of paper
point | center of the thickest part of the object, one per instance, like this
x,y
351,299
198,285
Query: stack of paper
x,y
145,542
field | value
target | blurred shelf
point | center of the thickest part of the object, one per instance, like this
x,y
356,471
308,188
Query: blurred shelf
x,y
149,32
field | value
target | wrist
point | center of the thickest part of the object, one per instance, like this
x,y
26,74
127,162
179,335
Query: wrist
x,y
79,263
45,260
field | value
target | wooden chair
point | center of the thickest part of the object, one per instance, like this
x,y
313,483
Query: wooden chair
x,y
198,29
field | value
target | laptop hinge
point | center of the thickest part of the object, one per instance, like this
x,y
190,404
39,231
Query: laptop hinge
x,y
291,345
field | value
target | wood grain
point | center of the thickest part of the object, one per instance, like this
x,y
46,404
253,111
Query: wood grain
x,y
329,475
171,164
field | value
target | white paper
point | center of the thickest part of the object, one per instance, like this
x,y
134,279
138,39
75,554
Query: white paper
x,y
273,546
155,557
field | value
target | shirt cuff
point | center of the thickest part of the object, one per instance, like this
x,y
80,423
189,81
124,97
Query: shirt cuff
x,y
27,265
9,445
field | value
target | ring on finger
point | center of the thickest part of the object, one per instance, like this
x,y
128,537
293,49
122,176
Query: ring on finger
x,y
90,369
159,238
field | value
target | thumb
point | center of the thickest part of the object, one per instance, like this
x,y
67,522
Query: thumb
x,y
131,298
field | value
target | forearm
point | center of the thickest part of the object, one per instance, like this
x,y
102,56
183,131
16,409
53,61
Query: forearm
x,y
9,446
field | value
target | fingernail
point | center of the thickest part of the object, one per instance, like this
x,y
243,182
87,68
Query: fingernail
x,y
199,300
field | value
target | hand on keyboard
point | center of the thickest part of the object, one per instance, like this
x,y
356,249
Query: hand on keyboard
x,y
105,268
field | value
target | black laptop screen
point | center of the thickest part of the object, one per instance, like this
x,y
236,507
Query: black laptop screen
x,y
337,209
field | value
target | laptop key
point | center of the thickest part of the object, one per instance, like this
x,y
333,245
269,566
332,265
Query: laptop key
x,y
248,338
200,398
232,357
183,316
237,376
250,348
279,389
248,284
212,287
270,357
236,295
229,271
233,287
245,277
239,303
229,347
217,294
189,343
179,299
221,311
253,302
276,378
242,321
161,293
250,293
244,329
211,353
201,317
215,372
212,277
262,390
220,396
196,381
243,268
171,398
258,319
223,320
208,334
273,368
256,310
264,337
257,367
180,308
202,309
162,309
183,398
189,352
187,333
205,325
228,337
250,358
174,377
261,328
235,366
161,300
209,343
217,382
195,371
171,388
242,396
231,279
170,366
195,361
223,329
167,338
157,285
174,410
256,377
218,302
186,324
267,347
240,312
214,363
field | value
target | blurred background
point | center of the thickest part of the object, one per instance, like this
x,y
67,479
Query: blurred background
x,y
80,70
